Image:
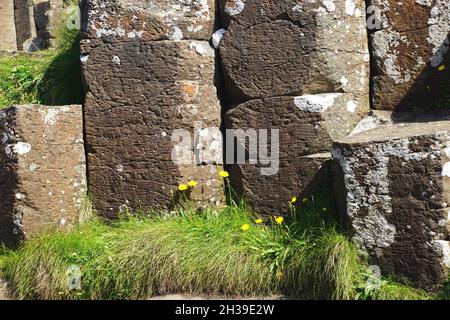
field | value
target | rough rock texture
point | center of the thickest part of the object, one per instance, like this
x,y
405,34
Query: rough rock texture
x,y
138,92
151,20
42,169
323,48
393,187
410,45
307,126
25,25
302,68
8,39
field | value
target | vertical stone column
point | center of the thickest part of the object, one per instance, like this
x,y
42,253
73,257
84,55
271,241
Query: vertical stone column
x,y
25,25
301,68
149,71
8,40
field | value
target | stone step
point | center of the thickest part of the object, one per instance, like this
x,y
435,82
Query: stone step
x,y
392,185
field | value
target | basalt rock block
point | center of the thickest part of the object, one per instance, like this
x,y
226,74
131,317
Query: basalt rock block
x,y
274,48
409,43
8,40
25,25
393,188
306,126
150,20
43,170
139,93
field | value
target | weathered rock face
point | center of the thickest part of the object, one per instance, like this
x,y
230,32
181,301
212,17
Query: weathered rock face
x,y
316,53
152,20
8,39
393,187
25,25
411,43
140,91
42,172
301,68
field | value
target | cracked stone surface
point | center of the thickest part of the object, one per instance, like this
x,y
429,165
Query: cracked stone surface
x,y
150,20
302,68
393,187
307,126
139,91
42,170
409,44
323,48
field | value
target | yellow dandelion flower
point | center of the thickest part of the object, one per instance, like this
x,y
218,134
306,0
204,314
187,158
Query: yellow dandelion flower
x,y
192,183
224,174
294,200
259,221
279,275
279,220
441,67
183,187
245,227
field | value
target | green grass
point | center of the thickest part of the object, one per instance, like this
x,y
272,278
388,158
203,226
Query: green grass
x,y
50,77
197,253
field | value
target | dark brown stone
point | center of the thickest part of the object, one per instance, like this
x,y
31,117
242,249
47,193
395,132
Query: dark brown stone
x,y
307,125
408,49
274,48
140,91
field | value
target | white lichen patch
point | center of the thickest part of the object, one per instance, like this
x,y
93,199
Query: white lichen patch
x,y
116,60
202,48
234,7
175,34
352,106
444,248
317,102
446,170
217,37
21,148
368,195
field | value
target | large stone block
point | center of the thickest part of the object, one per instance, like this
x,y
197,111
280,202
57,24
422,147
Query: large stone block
x,y
393,188
151,20
307,126
42,169
411,43
139,93
25,25
8,40
273,48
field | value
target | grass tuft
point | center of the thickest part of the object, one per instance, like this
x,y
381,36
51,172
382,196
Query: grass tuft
x,y
50,77
196,253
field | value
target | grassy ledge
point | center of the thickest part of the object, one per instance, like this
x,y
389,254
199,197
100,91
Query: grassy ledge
x,y
50,77
209,252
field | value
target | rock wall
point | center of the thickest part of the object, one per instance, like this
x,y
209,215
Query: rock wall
x,y
393,186
149,70
42,169
411,43
301,68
